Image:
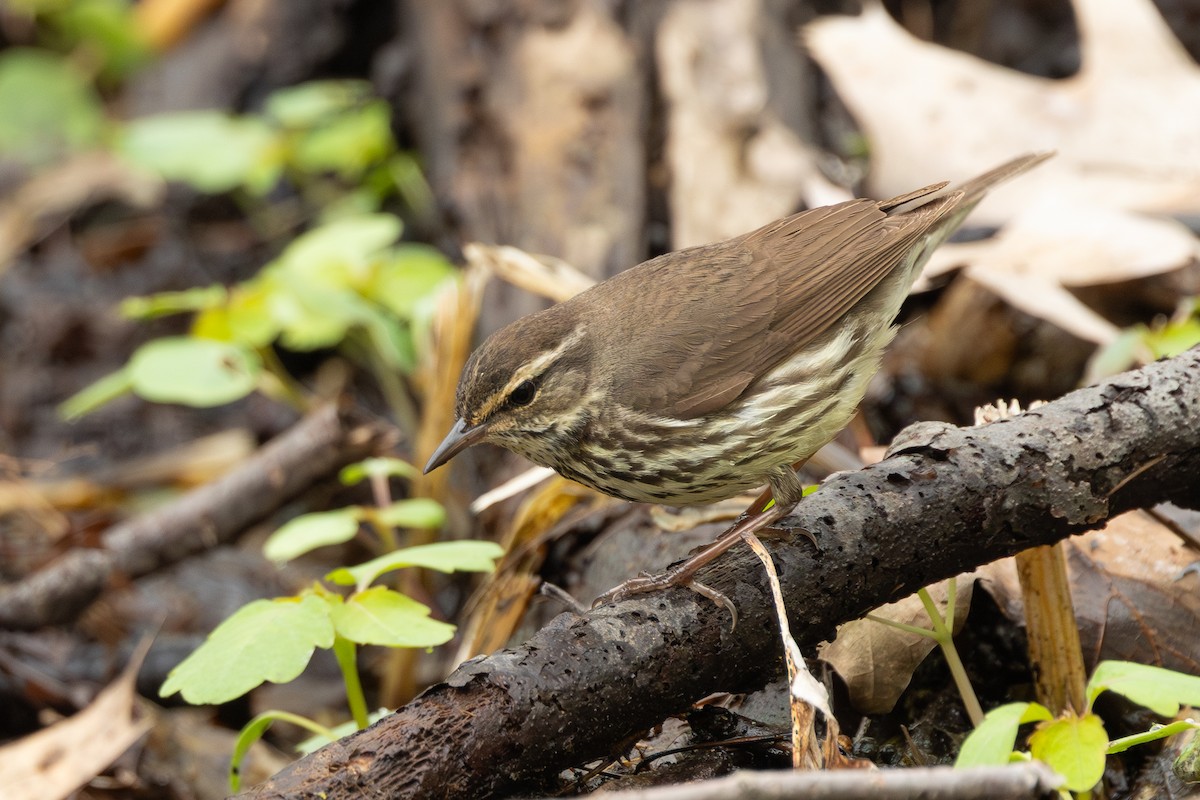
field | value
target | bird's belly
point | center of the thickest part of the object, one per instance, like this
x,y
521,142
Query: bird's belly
x,y
789,415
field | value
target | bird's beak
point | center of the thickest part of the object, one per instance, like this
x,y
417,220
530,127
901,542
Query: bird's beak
x,y
458,439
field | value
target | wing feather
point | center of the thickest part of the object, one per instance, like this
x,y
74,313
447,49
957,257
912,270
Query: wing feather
x,y
698,350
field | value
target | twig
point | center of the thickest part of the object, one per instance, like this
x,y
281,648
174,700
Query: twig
x,y
215,513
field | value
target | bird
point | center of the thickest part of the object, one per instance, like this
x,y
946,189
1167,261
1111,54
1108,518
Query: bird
x,y
709,371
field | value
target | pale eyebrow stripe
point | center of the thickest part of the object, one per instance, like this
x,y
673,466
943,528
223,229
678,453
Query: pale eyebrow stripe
x,y
530,370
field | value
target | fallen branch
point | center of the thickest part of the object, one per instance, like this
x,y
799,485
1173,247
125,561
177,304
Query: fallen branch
x,y
945,501
200,520
1015,782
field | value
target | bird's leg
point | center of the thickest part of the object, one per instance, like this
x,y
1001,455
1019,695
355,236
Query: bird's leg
x,y
761,502
787,491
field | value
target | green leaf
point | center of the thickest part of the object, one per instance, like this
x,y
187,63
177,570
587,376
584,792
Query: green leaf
x,y
993,741
208,149
1174,338
245,318
327,325
391,340
1127,349
323,252
310,531
105,28
312,289
417,512
384,617
165,303
404,172
195,372
1155,733
250,733
49,108
250,320
253,730
304,321
464,556
307,104
372,467
346,201
266,640
348,144
88,399
1074,748
411,277
1162,691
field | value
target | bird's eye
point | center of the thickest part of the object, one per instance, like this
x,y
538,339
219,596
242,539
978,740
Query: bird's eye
x,y
523,394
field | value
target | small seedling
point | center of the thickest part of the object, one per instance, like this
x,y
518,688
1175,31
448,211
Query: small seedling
x,y
273,640
343,285
1075,746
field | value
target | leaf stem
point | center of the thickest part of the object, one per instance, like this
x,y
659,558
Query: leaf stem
x,y
943,634
346,653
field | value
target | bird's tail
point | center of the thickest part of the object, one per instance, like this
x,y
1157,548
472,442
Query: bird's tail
x,y
974,189
947,209
968,194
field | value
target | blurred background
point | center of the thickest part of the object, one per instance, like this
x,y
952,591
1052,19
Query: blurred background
x,y
219,218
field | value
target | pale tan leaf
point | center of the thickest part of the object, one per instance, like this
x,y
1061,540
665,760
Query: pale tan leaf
x,y
58,760
1075,245
1125,126
1049,301
1126,129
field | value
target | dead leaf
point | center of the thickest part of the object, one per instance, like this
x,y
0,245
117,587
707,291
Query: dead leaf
x,y
500,604
47,198
877,661
541,274
1125,127
1134,598
1051,247
58,760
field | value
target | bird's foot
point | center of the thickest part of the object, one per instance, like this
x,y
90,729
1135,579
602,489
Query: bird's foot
x,y
684,574
560,594
679,575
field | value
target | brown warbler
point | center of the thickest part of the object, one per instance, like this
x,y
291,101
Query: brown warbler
x,y
709,371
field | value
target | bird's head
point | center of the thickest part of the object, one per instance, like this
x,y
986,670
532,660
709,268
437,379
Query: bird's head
x,y
522,388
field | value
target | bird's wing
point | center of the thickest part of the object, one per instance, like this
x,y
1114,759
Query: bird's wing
x,y
700,349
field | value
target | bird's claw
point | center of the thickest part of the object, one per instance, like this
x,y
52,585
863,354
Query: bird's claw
x,y
634,586
717,597
644,584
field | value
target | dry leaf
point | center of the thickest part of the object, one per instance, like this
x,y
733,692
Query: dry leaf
x,y
1125,127
877,661
45,199
501,602
58,760
1134,598
540,274
1050,247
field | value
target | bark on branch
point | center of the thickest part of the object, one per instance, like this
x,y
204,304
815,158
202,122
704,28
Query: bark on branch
x,y
945,501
